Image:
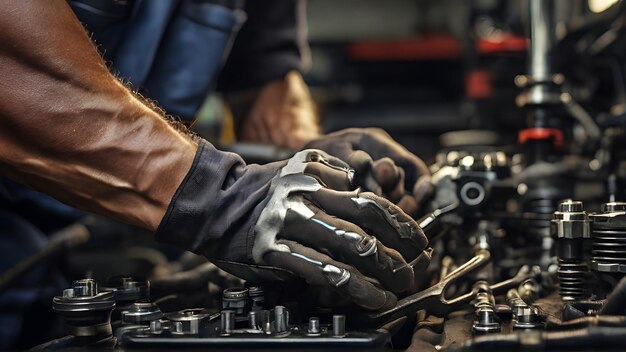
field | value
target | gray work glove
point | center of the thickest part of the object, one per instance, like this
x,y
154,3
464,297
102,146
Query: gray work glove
x,y
382,165
300,218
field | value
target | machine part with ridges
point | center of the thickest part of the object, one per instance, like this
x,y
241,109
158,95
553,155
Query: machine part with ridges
x,y
142,313
609,239
235,299
87,312
571,227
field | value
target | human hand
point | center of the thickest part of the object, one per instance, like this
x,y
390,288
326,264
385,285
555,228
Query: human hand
x,y
283,114
382,166
298,218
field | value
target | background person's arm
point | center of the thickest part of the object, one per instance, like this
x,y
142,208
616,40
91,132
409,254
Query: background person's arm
x,y
262,78
70,129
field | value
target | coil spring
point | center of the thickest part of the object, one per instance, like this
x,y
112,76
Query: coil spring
x,y
572,280
537,215
609,246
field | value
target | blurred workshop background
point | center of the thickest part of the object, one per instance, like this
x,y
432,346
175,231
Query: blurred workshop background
x,y
415,68
418,69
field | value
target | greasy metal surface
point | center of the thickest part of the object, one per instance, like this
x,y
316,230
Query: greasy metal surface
x,y
434,300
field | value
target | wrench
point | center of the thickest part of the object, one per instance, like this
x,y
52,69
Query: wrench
x,y
434,300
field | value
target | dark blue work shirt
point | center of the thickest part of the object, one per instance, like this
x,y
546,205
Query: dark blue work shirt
x,y
173,50
170,50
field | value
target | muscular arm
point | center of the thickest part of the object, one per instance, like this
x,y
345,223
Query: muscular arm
x,y
70,129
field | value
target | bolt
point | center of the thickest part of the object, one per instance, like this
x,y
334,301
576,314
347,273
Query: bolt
x,y
485,321
280,319
339,325
227,318
85,288
314,326
156,327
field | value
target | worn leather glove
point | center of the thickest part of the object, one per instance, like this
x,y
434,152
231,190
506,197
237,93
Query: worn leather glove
x,y
299,218
382,165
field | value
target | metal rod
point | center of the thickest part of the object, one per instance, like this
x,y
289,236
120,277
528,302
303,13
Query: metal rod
x,y
542,39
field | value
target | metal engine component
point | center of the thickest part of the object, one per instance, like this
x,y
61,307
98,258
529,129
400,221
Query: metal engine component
x,y
572,228
126,290
339,326
141,313
281,320
86,310
525,316
314,326
146,328
188,321
608,254
609,239
235,299
485,321
227,319
257,297
484,303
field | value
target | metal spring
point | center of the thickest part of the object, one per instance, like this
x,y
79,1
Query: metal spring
x,y
609,246
572,280
537,215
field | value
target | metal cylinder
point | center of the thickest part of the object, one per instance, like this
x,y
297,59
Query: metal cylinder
x,y
485,321
281,319
542,39
142,313
257,297
227,319
156,327
85,288
541,82
255,318
235,299
314,326
339,325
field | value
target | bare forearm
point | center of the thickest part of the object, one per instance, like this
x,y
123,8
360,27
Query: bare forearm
x,y
70,129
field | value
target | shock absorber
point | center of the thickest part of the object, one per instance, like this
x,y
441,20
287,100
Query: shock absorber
x,y
571,225
543,138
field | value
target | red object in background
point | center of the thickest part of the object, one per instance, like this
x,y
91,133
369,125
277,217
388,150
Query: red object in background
x,y
429,47
433,46
478,84
542,133
510,43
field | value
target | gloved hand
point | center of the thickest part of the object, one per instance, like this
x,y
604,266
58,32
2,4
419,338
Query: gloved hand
x,y
382,165
297,218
